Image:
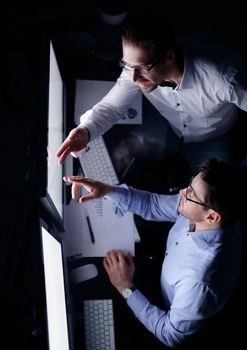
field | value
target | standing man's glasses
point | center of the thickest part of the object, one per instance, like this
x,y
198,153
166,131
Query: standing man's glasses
x,y
145,69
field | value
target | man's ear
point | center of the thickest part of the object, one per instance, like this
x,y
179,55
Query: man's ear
x,y
213,217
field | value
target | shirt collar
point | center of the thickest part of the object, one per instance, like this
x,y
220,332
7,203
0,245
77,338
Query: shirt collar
x,y
188,75
166,83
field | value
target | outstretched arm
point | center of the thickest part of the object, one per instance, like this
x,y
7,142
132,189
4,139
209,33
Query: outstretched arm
x,y
95,189
100,117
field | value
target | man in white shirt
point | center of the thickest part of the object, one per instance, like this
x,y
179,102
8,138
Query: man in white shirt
x,y
202,259
198,90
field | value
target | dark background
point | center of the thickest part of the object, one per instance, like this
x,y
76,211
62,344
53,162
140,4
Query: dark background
x,y
86,47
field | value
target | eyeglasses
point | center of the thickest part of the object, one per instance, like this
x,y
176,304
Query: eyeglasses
x,y
142,69
188,191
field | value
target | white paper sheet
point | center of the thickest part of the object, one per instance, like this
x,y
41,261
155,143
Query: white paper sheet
x,y
111,229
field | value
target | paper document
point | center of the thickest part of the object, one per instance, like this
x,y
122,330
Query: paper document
x,y
97,226
90,92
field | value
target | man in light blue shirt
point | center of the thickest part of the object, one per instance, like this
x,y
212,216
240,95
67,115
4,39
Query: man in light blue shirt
x,y
198,89
202,260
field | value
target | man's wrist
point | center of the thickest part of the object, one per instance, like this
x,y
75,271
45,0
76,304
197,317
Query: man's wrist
x,y
126,292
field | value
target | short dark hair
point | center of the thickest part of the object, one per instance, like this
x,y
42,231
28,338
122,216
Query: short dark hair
x,y
150,31
222,195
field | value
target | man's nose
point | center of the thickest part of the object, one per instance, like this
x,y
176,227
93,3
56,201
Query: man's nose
x,y
135,74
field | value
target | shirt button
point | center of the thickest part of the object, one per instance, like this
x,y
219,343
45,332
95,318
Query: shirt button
x,y
188,234
166,253
176,243
178,104
185,125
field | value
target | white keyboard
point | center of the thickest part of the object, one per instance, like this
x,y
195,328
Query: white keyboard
x,y
97,164
99,324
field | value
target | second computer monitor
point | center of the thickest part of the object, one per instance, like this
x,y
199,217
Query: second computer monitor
x,y
59,320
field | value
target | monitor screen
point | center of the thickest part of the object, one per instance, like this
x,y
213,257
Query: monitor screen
x,y
55,133
53,126
55,290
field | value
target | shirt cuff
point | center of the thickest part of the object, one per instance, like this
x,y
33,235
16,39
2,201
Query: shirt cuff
x,y
119,196
85,122
137,302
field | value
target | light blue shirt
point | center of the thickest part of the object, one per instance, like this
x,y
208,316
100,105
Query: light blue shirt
x,y
202,107
199,273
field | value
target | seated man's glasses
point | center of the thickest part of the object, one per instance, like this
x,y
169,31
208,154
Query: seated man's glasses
x,y
188,192
145,69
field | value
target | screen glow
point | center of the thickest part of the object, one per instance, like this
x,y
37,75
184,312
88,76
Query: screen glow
x,y
55,292
55,134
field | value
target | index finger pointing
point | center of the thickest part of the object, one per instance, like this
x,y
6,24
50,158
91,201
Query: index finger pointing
x,y
63,147
80,179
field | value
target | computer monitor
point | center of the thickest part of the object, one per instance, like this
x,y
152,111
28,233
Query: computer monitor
x,y
53,99
55,133
59,317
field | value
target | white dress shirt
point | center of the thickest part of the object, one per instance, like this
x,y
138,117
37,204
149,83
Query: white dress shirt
x,y
203,106
199,273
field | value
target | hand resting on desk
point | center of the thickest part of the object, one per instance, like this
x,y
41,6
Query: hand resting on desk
x,y
120,269
95,189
